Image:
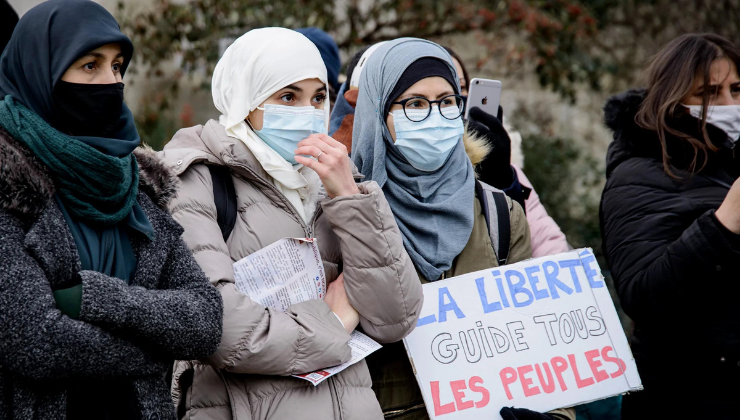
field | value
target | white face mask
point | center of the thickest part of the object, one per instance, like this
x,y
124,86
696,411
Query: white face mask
x,y
726,118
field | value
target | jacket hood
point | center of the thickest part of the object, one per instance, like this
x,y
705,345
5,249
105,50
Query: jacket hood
x,y
476,147
631,140
26,187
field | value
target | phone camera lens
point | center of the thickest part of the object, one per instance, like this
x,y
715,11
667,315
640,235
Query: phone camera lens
x,y
476,82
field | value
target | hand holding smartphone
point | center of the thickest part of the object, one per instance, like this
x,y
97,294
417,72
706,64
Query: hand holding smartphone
x,y
485,94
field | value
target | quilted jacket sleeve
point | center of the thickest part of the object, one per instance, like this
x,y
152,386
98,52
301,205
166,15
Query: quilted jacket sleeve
x,y
656,254
255,339
38,342
379,276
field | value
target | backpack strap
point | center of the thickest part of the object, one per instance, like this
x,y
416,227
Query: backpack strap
x,y
497,212
504,225
224,196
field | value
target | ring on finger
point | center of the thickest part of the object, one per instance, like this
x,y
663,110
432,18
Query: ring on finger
x,y
321,152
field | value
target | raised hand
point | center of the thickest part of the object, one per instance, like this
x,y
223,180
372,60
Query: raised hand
x,y
496,167
331,163
729,212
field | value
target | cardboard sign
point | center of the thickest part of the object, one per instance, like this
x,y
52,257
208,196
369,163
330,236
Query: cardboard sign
x,y
540,334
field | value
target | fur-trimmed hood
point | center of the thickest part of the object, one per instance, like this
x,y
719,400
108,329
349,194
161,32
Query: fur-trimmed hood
x,y
26,187
476,147
631,140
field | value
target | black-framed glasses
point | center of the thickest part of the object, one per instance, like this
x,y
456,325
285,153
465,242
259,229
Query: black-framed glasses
x,y
418,109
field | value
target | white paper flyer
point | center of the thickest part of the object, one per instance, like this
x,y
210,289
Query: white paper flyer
x,y
287,272
361,346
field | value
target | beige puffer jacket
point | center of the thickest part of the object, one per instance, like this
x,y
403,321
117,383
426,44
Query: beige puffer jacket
x,y
247,378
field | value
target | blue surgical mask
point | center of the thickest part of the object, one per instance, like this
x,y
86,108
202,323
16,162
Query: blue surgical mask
x,y
427,144
283,127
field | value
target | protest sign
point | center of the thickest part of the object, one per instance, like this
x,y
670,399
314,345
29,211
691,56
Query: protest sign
x,y
291,271
540,334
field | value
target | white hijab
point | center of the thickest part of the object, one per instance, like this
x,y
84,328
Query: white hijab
x,y
258,64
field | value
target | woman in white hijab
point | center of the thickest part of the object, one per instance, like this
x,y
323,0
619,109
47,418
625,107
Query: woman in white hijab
x,y
270,87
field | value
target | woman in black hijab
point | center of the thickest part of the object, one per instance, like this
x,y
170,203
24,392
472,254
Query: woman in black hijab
x,y
98,293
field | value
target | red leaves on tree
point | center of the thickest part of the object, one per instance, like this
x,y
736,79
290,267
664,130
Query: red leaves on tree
x,y
517,12
487,15
186,115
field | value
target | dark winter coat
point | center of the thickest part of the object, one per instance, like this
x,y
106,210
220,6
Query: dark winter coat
x,y
125,334
675,266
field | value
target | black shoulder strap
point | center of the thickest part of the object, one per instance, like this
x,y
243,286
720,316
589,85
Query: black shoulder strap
x,y
497,212
224,196
504,226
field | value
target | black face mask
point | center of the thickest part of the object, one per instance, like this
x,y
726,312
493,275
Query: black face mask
x,y
88,110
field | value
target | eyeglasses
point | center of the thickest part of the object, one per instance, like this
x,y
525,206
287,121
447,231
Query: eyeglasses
x,y
418,109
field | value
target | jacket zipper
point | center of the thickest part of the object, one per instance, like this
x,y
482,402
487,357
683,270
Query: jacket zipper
x,y
312,224
285,201
336,396
308,229
229,392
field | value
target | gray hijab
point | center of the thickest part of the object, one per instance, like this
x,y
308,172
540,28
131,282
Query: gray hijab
x,y
434,210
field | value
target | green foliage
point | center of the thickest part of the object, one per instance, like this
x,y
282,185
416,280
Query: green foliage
x,y
155,128
565,178
557,33
155,122
568,42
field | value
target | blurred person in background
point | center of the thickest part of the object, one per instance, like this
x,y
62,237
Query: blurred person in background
x,y
99,294
329,54
343,113
415,147
499,171
270,87
670,221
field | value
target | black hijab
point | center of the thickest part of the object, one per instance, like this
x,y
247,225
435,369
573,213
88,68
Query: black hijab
x,y
45,43
47,40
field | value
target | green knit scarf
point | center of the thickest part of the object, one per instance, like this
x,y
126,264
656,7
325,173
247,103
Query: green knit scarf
x,y
93,186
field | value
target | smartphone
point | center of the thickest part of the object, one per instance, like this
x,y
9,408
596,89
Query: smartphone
x,y
485,94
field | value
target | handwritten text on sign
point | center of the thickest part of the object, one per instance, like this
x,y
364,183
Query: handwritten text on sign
x,y
540,334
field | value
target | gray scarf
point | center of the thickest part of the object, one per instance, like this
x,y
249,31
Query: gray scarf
x,y
434,210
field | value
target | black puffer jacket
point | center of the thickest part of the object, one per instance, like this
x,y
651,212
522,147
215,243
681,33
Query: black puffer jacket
x,y
126,336
675,266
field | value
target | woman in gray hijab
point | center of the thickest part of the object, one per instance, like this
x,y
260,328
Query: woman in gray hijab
x,y
409,137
